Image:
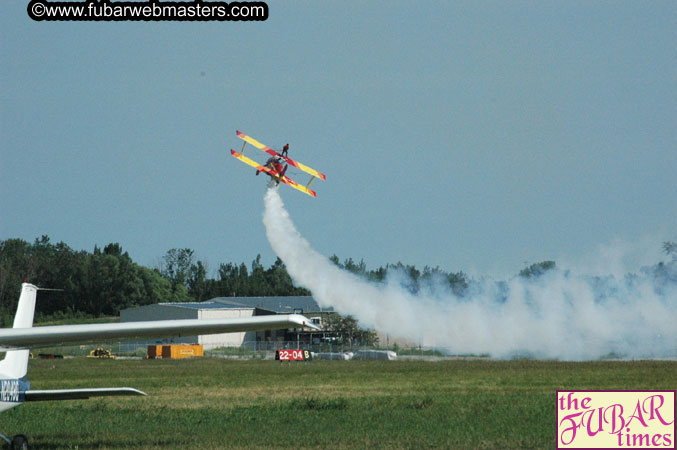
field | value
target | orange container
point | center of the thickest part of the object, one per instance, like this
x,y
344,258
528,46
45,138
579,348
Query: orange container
x,y
175,351
154,351
179,351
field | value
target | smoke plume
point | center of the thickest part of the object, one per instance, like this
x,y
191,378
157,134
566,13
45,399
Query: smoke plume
x,y
556,315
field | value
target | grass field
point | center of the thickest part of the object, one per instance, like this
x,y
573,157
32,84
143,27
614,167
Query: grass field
x,y
219,403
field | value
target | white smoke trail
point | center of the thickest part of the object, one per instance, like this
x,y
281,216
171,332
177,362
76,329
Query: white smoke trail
x,y
558,315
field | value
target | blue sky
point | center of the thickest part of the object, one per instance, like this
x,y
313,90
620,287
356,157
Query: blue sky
x,y
473,136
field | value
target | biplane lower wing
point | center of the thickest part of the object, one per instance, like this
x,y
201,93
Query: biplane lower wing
x,y
270,151
273,173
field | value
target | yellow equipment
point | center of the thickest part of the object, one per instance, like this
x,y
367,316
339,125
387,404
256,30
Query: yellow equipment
x,y
99,352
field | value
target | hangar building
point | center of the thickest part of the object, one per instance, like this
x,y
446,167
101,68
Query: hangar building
x,y
228,308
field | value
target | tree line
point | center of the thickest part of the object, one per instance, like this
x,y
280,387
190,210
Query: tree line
x,y
106,280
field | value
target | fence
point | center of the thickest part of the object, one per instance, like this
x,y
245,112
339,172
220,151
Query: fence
x,y
248,350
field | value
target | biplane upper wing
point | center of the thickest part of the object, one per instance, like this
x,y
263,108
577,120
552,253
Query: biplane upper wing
x,y
270,151
285,179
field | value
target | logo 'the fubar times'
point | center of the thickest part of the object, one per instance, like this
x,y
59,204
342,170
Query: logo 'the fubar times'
x,y
616,419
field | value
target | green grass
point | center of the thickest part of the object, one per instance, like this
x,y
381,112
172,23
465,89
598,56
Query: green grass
x,y
216,403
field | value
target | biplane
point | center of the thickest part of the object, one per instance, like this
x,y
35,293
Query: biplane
x,y
273,167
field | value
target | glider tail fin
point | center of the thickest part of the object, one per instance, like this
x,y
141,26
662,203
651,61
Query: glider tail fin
x,y
15,364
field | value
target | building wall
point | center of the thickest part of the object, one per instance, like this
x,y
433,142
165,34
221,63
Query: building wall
x,y
211,341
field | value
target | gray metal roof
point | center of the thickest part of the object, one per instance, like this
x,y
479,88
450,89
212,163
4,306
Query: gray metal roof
x,y
278,304
203,305
283,305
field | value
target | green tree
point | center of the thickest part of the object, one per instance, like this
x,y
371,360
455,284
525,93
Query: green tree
x,y
349,332
113,249
458,282
227,277
279,281
197,281
102,282
670,249
14,255
258,283
536,270
177,264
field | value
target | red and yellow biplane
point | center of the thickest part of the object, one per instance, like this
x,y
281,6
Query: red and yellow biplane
x,y
274,168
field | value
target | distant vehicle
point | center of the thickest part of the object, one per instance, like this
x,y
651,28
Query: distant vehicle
x,y
100,352
49,356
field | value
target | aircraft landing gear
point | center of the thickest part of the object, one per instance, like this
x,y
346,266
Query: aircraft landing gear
x,y
18,442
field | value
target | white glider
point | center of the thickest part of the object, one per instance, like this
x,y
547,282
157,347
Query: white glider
x,y
15,388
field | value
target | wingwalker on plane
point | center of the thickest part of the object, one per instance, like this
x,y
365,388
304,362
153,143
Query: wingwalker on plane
x,y
273,166
15,388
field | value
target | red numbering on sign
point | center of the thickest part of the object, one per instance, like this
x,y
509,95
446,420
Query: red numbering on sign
x,y
292,355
